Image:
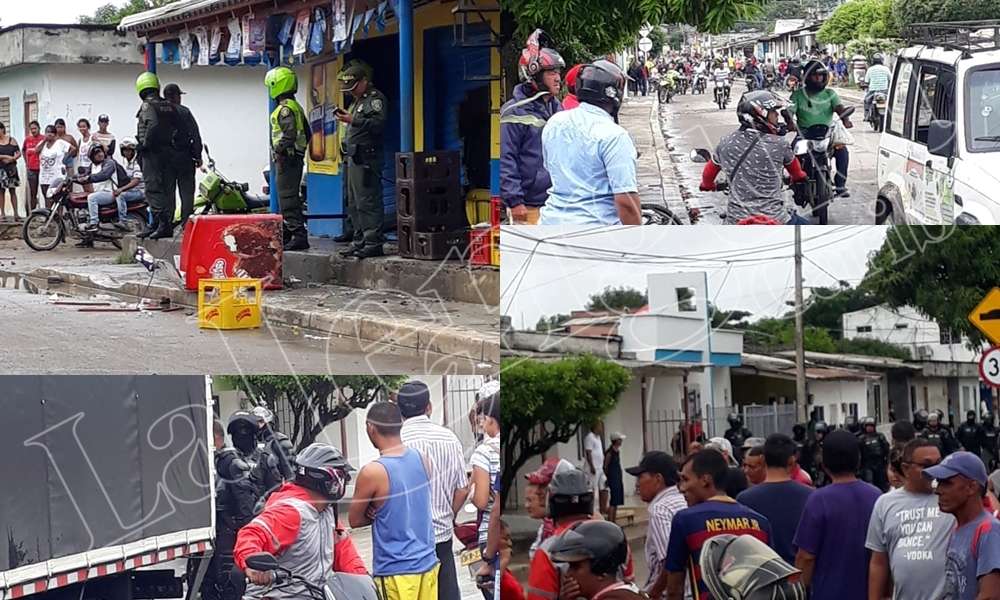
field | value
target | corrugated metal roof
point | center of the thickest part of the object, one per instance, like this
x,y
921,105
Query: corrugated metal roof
x,y
861,360
175,11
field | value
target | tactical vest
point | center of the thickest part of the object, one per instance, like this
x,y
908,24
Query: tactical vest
x,y
301,141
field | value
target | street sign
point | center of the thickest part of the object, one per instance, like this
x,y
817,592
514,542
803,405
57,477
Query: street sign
x,y
989,367
644,30
645,44
986,316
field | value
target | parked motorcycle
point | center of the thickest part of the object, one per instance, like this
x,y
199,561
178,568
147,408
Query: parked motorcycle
x,y
46,228
217,194
338,586
666,91
814,150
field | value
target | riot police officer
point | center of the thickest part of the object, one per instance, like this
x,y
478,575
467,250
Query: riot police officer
x,y
851,424
970,434
812,455
362,150
158,124
988,444
920,420
288,150
874,455
737,434
939,435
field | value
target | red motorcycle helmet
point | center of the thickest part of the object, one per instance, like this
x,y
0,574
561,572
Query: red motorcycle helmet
x,y
571,76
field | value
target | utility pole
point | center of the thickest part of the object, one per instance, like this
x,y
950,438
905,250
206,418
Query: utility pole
x,y
800,353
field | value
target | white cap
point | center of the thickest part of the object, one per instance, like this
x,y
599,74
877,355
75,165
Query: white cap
x,y
617,436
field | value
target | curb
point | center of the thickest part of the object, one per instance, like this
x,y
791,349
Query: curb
x,y
679,205
369,331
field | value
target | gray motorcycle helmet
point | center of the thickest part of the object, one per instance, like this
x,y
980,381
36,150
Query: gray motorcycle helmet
x,y
745,568
323,468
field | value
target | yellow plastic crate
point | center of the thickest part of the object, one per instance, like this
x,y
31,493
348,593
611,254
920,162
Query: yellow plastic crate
x,y
477,206
229,303
495,247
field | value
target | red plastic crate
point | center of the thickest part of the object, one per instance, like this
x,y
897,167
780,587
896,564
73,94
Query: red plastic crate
x,y
480,249
495,211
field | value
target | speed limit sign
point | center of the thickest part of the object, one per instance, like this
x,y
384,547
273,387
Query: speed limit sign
x,y
989,367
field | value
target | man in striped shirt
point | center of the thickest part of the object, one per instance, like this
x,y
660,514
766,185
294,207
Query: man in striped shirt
x,y
877,78
449,483
656,481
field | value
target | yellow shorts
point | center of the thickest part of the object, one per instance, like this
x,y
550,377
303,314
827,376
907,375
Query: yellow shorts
x,y
422,586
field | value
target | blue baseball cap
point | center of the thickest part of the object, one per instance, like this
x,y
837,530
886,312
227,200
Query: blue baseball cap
x,y
963,463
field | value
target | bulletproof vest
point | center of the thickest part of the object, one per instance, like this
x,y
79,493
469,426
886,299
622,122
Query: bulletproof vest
x,y
168,122
935,437
990,433
241,487
968,436
735,437
871,449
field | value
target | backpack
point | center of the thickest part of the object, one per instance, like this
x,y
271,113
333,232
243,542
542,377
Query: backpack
x,y
162,134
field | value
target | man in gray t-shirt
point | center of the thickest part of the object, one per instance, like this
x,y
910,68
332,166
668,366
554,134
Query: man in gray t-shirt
x,y
908,534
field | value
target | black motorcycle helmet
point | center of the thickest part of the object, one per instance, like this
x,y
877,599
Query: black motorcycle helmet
x,y
735,421
920,420
798,431
601,83
741,567
988,418
570,491
323,468
851,424
821,427
816,76
242,428
601,542
865,422
754,111
970,416
877,59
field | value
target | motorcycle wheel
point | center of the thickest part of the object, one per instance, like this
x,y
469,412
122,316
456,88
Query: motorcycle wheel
x,y
878,121
654,214
41,237
821,201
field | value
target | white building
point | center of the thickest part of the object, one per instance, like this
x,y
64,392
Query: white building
x,y
83,71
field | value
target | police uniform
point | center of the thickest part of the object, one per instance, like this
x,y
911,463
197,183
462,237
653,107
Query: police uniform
x,y
874,459
288,146
362,148
187,148
158,122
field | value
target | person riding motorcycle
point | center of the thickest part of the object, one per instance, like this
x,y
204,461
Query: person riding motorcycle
x,y
814,106
874,455
741,566
753,158
595,553
970,434
877,79
720,77
300,527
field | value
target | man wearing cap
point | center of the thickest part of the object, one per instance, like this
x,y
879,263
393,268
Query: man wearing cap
x,y
362,148
972,569
449,482
535,499
103,136
158,122
656,483
187,150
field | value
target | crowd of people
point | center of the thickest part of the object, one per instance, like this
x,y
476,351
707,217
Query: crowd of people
x,y
566,160
823,513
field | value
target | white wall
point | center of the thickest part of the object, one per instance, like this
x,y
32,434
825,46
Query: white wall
x,y
833,394
905,327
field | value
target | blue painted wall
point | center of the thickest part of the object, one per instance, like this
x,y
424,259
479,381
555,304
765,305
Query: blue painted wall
x,y
719,359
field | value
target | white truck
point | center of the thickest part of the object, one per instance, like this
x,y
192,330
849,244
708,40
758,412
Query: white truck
x,y
104,478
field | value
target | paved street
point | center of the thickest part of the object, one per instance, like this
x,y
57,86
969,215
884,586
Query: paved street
x,y
693,121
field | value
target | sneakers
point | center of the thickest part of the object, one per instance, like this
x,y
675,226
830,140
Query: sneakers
x,y
344,238
842,193
349,251
88,227
162,232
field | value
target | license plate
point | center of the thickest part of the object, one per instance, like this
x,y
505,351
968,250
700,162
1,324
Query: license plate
x,y
470,557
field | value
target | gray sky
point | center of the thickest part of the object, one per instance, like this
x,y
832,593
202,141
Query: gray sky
x,y
48,11
554,284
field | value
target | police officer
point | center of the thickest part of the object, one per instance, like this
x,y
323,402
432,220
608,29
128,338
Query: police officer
x,y
851,424
158,123
737,434
988,444
288,150
970,434
920,420
939,435
812,456
874,455
187,151
362,149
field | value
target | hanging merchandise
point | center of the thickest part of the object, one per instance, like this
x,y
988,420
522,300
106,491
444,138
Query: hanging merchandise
x,y
201,34
245,34
318,36
213,51
339,21
380,16
258,35
185,49
285,33
235,40
369,14
301,37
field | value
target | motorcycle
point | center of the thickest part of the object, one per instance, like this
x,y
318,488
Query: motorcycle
x,y
721,95
656,214
876,116
46,228
338,586
769,82
702,155
683,84
751,83
665,91
217,194
814,150
700,82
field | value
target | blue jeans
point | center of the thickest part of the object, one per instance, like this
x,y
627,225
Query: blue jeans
x,y
101,198
797,220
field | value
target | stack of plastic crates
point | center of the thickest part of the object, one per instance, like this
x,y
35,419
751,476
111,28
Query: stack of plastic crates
x,y
484,238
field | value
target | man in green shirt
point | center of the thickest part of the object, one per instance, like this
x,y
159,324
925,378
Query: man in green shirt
x,y
815,104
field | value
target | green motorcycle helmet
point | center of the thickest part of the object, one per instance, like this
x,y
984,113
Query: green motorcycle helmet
x,y
281,80
146,81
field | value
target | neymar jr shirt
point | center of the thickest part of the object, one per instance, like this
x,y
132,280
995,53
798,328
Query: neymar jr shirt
x,y
695,524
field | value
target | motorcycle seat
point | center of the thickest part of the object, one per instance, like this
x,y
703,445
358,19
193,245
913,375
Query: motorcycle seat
x,y
78,198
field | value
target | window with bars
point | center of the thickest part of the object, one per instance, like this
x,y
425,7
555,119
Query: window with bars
x,y
949,336
864,329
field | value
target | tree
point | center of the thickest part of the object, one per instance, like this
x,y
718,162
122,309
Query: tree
x,y
735,319
659,39
315,401
546,402
828,305
111,14
774,335
869,46
546,324
907,12
617,299
858,18
943,272
870,347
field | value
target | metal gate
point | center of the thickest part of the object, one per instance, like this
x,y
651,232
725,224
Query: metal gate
x,y
459,398
763,420
663,427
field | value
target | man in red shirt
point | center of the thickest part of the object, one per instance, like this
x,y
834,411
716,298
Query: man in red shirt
x,y
28,149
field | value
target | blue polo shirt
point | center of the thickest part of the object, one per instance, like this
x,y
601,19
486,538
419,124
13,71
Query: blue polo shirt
x,y
590,158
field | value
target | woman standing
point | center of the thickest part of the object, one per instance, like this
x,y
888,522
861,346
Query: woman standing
x,y
31,142
9,181
53,152
613,471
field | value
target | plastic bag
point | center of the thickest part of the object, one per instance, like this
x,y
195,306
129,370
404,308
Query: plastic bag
x,y
840,136
317,39
185,50
258,35
235,40
339,21
216,42
301,36
201,34
285,33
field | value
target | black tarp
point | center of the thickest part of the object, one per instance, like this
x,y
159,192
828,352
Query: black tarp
x,y
88,461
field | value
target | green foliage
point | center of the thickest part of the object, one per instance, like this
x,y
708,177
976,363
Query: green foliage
x,y
617,299
584,29
734,319
110,14
774,335
659,39
943,272
869,46
546,402
782,9
859,18
869,347
908,12
828,305
546,324
315,400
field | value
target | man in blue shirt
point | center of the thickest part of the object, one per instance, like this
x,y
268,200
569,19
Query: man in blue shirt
x,y
590,158
877,77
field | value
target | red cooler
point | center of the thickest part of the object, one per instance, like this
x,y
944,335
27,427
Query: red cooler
x,y
225,246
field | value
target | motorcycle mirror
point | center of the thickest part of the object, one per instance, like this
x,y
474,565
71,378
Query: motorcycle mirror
x,y
700,155
262,561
